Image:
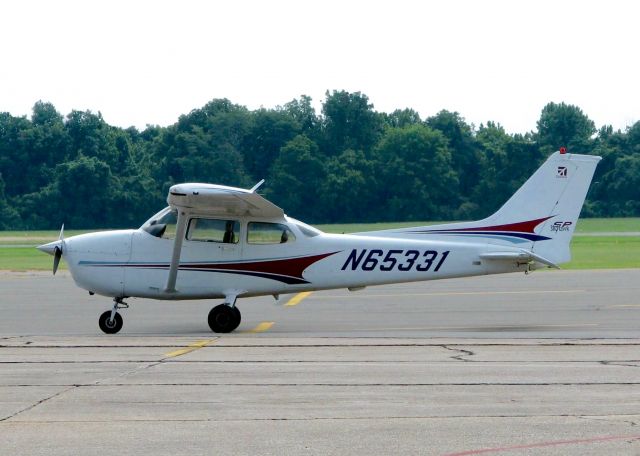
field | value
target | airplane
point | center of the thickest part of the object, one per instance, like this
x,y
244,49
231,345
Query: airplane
x,y
213,241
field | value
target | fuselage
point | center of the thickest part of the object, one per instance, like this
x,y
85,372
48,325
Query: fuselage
x,y
128,263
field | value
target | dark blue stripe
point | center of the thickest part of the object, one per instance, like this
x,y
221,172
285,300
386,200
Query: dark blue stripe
x,y
528,236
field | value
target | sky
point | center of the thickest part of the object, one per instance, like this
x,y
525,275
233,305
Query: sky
x,y
146,62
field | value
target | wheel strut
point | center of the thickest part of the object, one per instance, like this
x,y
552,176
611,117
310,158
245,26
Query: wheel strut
x,y
118,303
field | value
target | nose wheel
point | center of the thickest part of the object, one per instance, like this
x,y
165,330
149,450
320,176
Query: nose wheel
x,y
110,322
110,325
224,318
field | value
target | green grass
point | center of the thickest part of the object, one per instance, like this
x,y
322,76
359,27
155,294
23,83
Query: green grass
x,y
26,259
604,252
605,225
589,252
34,237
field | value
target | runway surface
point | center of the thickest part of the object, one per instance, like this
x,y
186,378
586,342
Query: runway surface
x,y
540,364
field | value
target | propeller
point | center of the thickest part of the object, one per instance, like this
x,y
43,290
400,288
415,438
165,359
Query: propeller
x,y
56,259
56,249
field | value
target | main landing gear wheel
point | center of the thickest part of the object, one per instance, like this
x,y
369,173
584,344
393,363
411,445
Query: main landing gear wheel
x,y
224,319
108,325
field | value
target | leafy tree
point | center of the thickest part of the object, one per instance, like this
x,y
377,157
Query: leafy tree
x,y
465,151
349,190
418,181
81,196
203,157
506,163
301,111
14,156
295,179
563,125
349,122
268,132
349,164
402,118
609,196
141,194
204,145
623,188
202,117
9,218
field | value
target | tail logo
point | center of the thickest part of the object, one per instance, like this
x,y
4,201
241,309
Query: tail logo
x,y
562,172
560,226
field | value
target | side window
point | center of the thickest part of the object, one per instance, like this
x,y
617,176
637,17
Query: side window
x,y
211,230
269,233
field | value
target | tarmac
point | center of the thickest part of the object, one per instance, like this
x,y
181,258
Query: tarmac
x,y
541,364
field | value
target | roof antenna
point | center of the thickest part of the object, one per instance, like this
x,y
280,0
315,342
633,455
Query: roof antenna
x,y
256,187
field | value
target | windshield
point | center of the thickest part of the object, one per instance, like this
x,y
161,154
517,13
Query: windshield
x,y
162,224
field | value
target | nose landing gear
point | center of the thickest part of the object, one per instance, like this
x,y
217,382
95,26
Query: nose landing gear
x,y
110,322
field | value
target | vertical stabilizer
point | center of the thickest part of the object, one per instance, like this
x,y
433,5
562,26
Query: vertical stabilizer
x,y
540,217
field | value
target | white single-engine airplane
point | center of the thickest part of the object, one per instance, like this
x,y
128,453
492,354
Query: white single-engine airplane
x,y
214,241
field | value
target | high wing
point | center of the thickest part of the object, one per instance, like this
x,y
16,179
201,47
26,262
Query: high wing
x,y
216,200
223,201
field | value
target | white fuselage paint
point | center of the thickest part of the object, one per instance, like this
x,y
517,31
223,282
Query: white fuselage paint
x,y
135,263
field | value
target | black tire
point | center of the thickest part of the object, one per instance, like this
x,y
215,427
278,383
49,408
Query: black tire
x,y
110,327
224,319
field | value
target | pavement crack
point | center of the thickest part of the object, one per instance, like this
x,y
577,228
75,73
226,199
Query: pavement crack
x,y
627,363
461,353
41,401
124,374
328,418
610,419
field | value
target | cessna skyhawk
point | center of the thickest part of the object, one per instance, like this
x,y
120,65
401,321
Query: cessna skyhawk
x,y
214,241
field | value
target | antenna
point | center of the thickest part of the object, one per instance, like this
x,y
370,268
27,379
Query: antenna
x,y
256,187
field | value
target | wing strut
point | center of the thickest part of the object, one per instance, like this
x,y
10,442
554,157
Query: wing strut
x,y
177,249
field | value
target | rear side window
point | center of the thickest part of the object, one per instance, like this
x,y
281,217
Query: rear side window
x,y
269,233
213,230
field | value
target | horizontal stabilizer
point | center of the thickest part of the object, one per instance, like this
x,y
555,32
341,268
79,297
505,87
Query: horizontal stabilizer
x,y
523,256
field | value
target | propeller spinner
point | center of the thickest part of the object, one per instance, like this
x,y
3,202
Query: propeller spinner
x,y
55,248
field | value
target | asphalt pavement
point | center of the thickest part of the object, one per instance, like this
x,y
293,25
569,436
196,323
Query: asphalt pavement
x,y
541,364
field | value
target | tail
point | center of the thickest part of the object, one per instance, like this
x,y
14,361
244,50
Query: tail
x,y
539,218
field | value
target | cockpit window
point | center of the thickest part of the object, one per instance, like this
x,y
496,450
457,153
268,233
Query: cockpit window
x,y
212,230
163,224
269,233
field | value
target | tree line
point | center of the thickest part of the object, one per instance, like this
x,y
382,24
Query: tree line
x,y
347,163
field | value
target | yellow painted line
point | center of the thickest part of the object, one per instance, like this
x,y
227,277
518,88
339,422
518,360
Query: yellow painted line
x,y
262,327
297,299
192,347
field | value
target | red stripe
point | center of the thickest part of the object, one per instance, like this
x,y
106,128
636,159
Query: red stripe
x,y
292,267
520,227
